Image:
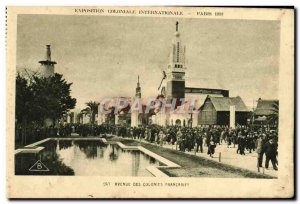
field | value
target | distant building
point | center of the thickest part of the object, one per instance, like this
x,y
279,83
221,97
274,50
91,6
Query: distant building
x,y
47,65
216,111
266,111
76,116
265,107
117,116
174,86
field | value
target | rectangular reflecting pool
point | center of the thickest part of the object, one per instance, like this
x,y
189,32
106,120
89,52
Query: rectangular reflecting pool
x,y
83,158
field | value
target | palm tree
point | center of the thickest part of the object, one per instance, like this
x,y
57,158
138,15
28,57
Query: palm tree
x,y
93,107
71,115
79,117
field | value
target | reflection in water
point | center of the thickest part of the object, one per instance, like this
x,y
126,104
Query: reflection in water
x,y
112,155
84,157
64,144
49,157
152,160
88,147
135,163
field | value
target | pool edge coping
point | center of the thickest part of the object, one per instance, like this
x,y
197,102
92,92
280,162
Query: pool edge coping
x,y
154,170
34,146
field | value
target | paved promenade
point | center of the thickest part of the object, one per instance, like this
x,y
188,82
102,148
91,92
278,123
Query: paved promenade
x,y
229,156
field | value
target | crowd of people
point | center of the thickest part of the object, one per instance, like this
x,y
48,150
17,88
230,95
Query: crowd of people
x,y
243,138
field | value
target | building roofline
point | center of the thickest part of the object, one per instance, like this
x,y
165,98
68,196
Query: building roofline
x,y
206,89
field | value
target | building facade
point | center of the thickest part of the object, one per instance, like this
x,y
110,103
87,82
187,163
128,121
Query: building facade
x,y
216,111
266,112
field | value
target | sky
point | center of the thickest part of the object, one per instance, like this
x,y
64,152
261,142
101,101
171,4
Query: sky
x,y
103,55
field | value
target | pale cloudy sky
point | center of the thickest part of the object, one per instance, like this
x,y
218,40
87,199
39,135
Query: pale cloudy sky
x,y
102,56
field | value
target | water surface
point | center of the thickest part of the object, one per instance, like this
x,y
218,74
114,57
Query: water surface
x,y
85,158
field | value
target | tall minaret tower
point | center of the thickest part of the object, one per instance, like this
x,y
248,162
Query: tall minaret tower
x,y
176,68
138,93
47,66
135,120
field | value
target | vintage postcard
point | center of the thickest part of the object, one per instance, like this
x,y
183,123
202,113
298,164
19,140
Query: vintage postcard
x,y
150,102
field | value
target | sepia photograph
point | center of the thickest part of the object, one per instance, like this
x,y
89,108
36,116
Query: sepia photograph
x,y
141,98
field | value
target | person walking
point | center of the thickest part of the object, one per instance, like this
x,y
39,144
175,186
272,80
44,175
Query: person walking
x,y
229,139
190,142
211,148
156,138
199,141
238,141
161,137
271,151
242,143
180,140
260,150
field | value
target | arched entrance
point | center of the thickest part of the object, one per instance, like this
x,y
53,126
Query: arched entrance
x,y
178,122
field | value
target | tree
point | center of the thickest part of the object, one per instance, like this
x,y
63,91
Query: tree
x,y
24,110
24,98
86,112
52,96
39,98
93,107
79,117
